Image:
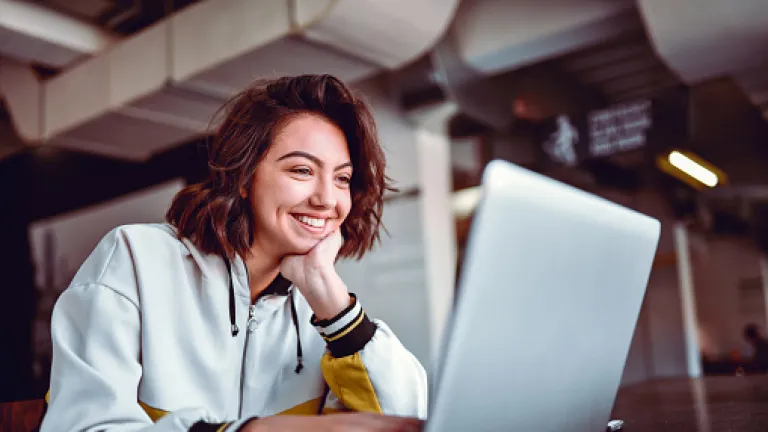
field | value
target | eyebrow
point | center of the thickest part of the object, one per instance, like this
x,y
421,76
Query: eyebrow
x,y
316,160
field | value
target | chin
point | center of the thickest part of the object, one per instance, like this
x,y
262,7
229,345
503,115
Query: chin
x,y
300,247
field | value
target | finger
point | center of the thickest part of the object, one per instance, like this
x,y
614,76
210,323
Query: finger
x,y
402,425
333,240
338,238
410,424
334,235
382,423
399,424
329,237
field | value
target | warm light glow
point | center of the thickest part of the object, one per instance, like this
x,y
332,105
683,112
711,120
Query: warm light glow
x,y
465,201
692,168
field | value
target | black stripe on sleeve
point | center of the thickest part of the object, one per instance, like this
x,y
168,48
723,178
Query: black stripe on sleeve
x,y
202,426
353,341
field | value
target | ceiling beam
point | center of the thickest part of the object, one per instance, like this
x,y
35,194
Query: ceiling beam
x,y
31,33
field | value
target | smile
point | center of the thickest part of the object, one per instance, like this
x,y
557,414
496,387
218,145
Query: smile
x,y
310,223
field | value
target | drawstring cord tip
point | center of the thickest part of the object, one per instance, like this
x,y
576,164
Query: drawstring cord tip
x,y
235,330
299,354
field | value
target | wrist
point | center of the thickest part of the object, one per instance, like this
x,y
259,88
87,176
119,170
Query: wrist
x,y
326,293
348,332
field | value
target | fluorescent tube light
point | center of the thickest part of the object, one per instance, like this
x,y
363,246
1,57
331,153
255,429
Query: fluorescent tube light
x,y
692,168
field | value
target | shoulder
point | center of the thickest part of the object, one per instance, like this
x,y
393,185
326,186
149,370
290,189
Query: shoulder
x,y
114,260
158,234
135,240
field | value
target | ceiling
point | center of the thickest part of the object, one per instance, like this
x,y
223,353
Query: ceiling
x,y
123,17
601,57
622,69
723,121
87,10
159,70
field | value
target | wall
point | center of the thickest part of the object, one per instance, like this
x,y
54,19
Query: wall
x,y
728,295
666,341
60,244
729,292
658,345
390,281
434,151
9,142
79,231
40,184
408,280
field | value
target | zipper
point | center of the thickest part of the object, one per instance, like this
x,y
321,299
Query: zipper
x,y
251,313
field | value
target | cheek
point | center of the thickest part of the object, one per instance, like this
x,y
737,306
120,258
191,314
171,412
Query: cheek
x,y
345,204
282,195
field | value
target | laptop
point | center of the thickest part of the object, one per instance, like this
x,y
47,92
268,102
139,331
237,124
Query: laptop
x,y
547,305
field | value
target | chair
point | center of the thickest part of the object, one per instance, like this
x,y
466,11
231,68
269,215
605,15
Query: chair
x,y
21,416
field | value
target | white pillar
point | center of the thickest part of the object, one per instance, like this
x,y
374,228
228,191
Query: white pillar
x,y
439,230
700,405
688,301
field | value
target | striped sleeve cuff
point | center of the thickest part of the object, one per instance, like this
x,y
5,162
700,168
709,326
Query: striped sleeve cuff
x,y
202,426
348,332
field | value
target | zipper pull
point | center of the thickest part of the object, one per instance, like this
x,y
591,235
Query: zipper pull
x,y
251,321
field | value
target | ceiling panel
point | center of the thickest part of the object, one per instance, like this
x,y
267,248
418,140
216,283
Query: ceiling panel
x,y
621,69
86,9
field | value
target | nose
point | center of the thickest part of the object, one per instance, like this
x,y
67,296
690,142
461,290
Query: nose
x,y
324,195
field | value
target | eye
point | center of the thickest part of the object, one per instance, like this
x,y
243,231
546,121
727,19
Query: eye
x,y
302,171
346,179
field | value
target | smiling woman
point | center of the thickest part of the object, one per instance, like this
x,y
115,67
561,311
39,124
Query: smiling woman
x,y
284,116
140,336
301,196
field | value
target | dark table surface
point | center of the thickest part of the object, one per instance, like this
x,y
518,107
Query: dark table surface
x,y
711,404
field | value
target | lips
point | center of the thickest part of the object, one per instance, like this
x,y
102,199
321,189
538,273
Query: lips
x,y
312,224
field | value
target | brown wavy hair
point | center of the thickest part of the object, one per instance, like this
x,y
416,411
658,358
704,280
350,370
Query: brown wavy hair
x,y
218,220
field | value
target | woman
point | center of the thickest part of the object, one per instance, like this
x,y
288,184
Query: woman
x,y
233,312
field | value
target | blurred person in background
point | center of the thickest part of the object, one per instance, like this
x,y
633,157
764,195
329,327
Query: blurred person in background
x,y
232,312
759,361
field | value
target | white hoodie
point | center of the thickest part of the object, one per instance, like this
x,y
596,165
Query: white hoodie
x,y
146,338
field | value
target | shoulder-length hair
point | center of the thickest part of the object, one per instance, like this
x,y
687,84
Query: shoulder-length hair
x,y
214,215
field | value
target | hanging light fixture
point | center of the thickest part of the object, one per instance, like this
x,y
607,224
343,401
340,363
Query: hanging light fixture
x,y
691,169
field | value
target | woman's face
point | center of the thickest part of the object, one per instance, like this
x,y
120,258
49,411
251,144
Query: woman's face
x,y
300,191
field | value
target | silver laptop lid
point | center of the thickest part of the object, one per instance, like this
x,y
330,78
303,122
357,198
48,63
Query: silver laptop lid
x,y
550,294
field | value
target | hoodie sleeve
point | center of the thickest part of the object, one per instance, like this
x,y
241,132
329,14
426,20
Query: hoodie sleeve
x,y
368,369
96,363
96,369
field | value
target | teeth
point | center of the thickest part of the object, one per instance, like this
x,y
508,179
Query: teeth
x,y
317,223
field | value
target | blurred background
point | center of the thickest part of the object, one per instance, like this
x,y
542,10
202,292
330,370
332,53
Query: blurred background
x,y
654,104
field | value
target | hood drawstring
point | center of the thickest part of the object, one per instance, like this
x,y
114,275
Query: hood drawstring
x,y
232,312
299,356
280,285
